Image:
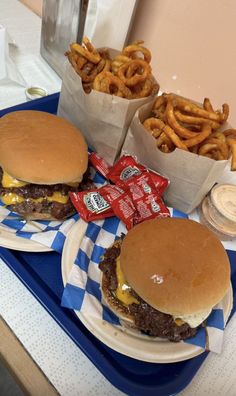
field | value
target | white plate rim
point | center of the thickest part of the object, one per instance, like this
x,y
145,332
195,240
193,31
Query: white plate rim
x,y
12,241
149,351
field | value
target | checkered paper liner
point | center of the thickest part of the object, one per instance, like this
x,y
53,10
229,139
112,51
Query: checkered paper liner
x,y
51,234
82,292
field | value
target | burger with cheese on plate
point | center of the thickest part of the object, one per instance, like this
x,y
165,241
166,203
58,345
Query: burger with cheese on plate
x,y
165,276
42,158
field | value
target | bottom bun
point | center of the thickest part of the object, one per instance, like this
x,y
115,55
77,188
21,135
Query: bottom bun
x,y
42,216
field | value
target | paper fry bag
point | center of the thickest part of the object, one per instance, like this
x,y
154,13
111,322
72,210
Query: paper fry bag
x,y
102,118
191,175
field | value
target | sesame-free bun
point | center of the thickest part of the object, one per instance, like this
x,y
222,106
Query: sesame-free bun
x,y
41,148
178,266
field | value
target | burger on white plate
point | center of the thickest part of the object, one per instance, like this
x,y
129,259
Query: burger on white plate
x,y
164,277
42,158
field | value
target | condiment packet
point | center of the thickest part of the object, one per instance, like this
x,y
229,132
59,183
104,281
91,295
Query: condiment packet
x,y
122,204
103,202
99,164
135,197
145,197
124,168
127,166
91,205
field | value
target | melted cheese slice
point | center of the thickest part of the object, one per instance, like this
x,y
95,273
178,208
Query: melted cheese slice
x,y
12,199
58,197
193,320
123,290
9,181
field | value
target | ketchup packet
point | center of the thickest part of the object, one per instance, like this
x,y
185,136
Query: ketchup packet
x,y
121,203
134,198
145,198
99,164
91,205
103,202
127,167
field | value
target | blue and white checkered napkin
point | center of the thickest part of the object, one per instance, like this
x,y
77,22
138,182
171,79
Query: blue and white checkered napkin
x,y
82,292
51,234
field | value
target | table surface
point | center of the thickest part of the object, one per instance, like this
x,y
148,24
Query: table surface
x,y
20,363
60,366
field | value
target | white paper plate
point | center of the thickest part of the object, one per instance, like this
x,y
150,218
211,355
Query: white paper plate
x,y
10,240
124,341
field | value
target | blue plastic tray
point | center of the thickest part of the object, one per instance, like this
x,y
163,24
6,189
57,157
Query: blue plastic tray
x,y
41,274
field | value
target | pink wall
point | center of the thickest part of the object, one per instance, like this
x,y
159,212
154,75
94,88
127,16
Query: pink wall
x,y
193,43
34,5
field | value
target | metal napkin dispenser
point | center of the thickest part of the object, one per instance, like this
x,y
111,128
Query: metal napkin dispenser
x,y
62,23
106,22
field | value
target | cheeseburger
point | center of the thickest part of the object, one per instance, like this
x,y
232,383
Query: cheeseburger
x,y
165,276
42,158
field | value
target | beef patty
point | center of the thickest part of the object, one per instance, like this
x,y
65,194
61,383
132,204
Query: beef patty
x,y
33,191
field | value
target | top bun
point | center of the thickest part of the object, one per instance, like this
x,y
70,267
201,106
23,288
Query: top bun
x,y
41,148
177,266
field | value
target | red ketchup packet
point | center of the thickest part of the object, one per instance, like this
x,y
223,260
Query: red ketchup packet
x,y
91,205
127,167
135,197
103,202
99,164
145,198
121,204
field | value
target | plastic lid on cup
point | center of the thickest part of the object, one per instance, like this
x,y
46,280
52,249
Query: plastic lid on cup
x,y
211,217
223,197
35,92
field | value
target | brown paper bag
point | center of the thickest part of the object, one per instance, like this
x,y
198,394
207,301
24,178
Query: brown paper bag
x,y
191,176
102,118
